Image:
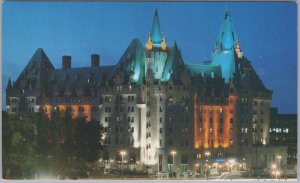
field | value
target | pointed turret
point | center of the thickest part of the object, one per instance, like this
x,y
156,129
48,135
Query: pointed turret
x,y
227,49
227,38
149,44
156,38
164,43
156,34
9,85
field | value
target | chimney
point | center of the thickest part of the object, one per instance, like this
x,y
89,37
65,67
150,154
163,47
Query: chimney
x,y
66,62
95,60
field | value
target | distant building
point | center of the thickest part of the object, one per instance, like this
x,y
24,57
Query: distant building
x,y
166,114
283,132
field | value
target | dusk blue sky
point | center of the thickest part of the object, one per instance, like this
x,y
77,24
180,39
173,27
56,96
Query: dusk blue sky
x,y
267,32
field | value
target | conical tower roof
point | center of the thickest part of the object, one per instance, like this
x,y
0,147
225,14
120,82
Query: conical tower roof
x,y
224,53
227,37
9,85
156,33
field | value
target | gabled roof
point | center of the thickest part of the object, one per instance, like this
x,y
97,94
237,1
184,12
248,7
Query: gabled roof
x,y
131,62
254,80
128,58
81,75
173,63
36,70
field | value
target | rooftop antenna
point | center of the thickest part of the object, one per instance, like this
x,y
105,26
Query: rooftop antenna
x,y
226,6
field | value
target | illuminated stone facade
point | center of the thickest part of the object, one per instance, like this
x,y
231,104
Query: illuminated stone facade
x,y
152,103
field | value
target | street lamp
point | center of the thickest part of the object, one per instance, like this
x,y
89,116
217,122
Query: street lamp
x,y
122,155
274,170
207,154
196,168
173,154
279,160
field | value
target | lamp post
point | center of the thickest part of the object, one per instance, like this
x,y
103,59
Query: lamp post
x,y
207,154
274,170
173,154
279,162
196,168
122,155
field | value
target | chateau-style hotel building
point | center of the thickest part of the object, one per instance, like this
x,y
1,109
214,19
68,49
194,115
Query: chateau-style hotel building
x,y
167,115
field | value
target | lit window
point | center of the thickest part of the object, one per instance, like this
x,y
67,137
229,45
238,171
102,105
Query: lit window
x,y
221,110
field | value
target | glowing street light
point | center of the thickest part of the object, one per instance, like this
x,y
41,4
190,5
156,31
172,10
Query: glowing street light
x,y
122,155
173,154
279,161
207,153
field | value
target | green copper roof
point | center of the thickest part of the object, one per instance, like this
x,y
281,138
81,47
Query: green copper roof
x,y
224,53
226,60
204,70
227,37
156,34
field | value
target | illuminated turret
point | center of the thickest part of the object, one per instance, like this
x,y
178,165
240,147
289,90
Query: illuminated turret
x,y
163,43
238,51
227,46
149,43
156,39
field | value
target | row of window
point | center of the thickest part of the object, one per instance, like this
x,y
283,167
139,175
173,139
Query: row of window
x,y
211,110
29,109
119,88
255,103
255,112
211,130
255,121
220,120
119,141
279,130
15,100
255,130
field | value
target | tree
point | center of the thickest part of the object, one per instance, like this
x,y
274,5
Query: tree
x,y
19,145
35,143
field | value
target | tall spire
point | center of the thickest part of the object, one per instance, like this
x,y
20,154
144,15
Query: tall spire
x,y
9,85
156,34
227,38
149,44
163,43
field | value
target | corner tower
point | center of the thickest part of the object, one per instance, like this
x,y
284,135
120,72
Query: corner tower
x,y
227,48
156,39
156,52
